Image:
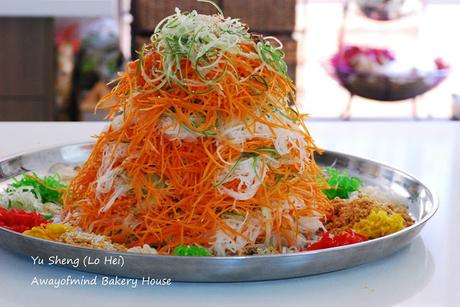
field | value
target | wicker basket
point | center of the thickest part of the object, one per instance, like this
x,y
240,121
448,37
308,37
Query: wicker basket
x,y
263,15
148,13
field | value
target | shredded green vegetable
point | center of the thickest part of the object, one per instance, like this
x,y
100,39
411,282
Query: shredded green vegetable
x,y
47,217
273,57
49,191
204,41
190,250
341,184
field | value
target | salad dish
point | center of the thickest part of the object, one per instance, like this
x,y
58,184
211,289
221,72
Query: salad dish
x,y
207,162
379,182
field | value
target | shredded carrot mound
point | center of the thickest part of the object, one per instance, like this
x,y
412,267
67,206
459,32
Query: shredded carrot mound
x,y
203,147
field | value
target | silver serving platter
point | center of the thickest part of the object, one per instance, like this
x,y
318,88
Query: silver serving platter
x,y
421,201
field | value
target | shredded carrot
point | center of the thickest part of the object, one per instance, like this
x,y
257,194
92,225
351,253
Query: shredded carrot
x,y
173,196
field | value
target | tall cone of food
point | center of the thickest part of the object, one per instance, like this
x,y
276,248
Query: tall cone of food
x,y
203,147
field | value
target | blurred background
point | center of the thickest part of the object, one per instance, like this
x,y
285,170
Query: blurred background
x,y
351,60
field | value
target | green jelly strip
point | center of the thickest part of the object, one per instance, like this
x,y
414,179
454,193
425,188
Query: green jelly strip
x,y
50,190
190,250
341,184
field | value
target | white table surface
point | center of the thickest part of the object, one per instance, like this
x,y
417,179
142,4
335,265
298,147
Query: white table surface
x,y
426,273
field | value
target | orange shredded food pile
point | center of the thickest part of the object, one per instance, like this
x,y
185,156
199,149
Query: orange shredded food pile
x,y
166,190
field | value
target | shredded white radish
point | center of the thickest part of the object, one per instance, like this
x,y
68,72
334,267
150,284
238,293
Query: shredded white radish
x,y
105,182
21,198
268,218
229,243
117,122
112,179
112,153
284,140
145,249
310,224
174,131
119,191
250,173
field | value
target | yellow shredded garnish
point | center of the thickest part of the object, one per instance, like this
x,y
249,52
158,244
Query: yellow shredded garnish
x,y
48,231
379,223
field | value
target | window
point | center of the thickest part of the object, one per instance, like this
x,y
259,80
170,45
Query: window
x,y
318,23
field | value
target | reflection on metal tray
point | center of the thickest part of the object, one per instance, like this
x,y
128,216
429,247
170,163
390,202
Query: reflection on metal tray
x,y
422,206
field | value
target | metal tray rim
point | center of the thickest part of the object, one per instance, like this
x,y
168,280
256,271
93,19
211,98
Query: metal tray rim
x,y
434,198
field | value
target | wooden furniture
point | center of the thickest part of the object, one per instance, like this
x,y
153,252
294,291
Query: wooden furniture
x,y
27,69
268,17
